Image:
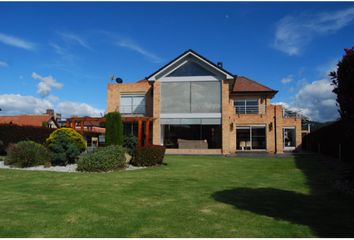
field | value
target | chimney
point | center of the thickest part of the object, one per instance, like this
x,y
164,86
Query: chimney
x,y
220,64
50,112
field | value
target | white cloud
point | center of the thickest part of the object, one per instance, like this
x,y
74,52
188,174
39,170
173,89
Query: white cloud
x,y
287,79
293,33
16,42
72,38
129,44
316,101
14,104
78,109
3,64
46,84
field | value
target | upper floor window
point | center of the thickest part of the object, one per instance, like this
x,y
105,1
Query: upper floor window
x,y
191,97
132,104
247,106
190,69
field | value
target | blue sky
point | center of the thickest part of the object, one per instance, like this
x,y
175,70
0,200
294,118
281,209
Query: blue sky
x,y
61,54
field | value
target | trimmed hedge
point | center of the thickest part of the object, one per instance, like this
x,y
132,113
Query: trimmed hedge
x,y
149,155
114,129
103,159
72,135
27,154
10,133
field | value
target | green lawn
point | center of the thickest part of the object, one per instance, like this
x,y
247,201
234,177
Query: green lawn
x,y
189,197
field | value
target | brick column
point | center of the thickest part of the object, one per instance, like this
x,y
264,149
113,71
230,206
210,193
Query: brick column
x,y
156,129
225,115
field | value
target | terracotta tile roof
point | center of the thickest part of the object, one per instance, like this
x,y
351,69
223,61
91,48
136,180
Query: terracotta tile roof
x,y
244,84
25,120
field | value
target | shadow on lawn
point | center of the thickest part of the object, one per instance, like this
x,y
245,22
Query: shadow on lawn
x,y
324,211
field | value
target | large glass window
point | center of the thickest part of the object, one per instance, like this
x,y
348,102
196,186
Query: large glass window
x,y
192,136
190,68
132,104
246,106
251,138
191,97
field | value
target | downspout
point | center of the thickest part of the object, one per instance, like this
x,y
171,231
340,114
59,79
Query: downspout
x,y
275,129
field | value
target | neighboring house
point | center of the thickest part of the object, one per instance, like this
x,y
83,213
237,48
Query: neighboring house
x,y
39,120
196,106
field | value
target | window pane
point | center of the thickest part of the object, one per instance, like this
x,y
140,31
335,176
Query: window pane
x,y
251,106
175,97
258,137
240,106
289,137
125,105
190,69
206,97
204,136
138,104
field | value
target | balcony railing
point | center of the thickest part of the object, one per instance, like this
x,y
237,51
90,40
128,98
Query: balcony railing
x,y
132,109
250,109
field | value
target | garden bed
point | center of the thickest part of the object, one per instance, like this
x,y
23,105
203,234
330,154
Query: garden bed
x,y
67,168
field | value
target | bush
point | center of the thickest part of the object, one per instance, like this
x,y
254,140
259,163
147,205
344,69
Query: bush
x,y
63,149
149,155
10,133
103,159
114,129
27,154
72,136
130,142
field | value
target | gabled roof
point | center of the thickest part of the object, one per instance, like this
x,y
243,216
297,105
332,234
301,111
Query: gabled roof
x,y
245,85
27,120
196,55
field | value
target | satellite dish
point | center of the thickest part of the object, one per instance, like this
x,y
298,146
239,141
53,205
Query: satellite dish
x,y
119,80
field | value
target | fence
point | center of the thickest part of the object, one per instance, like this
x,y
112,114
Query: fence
x,y
336,140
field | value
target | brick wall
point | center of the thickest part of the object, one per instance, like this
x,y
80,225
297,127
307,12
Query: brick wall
x,y
115,90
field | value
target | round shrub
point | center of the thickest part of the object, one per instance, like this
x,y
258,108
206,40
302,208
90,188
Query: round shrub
x,y
73,136
63,150
103,159
150,155
27,154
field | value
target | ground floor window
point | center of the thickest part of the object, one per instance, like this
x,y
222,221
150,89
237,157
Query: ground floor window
x,y
130,129
191,136
289,139
251,138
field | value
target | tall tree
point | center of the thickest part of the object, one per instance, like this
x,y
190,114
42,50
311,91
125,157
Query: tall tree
x,y
343,80
114,129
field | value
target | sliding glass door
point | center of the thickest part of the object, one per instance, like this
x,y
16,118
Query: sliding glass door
x,y
251,138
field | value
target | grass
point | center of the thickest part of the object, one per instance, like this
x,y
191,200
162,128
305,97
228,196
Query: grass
x,y
189,197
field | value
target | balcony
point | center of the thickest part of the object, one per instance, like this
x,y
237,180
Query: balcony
x,y
132,109
261,109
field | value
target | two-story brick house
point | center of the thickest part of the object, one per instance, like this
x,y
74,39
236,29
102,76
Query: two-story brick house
x,y
198,107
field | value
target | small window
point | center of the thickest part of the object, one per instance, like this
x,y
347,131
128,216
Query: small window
x,y
246,106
